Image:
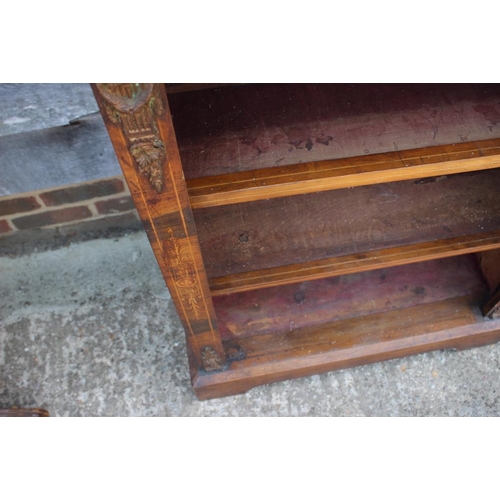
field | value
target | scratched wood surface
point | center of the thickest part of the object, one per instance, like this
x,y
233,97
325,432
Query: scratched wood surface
x,y
283,231
489,263
454,323
375,328
238,128
286,308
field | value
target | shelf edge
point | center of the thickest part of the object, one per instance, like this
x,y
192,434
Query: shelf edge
x,y
367,261
343,173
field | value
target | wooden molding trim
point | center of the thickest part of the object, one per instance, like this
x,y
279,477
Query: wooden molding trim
x,y
135,106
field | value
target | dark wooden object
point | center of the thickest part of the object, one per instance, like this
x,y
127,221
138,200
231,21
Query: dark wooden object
x,y
320,226
342,173
24,412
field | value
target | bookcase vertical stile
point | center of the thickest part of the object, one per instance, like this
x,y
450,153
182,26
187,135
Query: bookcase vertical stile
x,y
138,120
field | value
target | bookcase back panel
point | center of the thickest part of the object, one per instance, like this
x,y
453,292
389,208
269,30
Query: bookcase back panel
x,y
248,127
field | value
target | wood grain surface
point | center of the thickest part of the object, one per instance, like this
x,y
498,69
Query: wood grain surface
x,y
347,222
289,307
327,175
251,127
489,263
455,323
343,265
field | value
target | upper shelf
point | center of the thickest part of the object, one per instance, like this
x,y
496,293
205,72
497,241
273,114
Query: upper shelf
x,y
249,142
343,173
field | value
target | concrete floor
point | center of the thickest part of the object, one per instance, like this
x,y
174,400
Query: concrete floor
x,y
51,135
35,106
90,330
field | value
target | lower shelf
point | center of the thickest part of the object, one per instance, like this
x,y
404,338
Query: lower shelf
x,y
366,261
298,330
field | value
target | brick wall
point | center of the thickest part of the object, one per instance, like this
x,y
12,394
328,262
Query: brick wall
x,y
105,198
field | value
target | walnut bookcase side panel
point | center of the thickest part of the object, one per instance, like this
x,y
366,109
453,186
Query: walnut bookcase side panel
x,y
138,120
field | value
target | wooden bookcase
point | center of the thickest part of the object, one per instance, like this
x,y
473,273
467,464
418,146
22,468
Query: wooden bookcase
x,y
303,228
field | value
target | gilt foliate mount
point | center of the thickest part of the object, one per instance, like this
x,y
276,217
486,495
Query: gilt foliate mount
x,y
211,360
135,106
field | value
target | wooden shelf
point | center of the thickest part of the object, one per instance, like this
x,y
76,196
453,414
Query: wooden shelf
x,y
317,327
337,266
286,240
302,305
343,173
455,324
